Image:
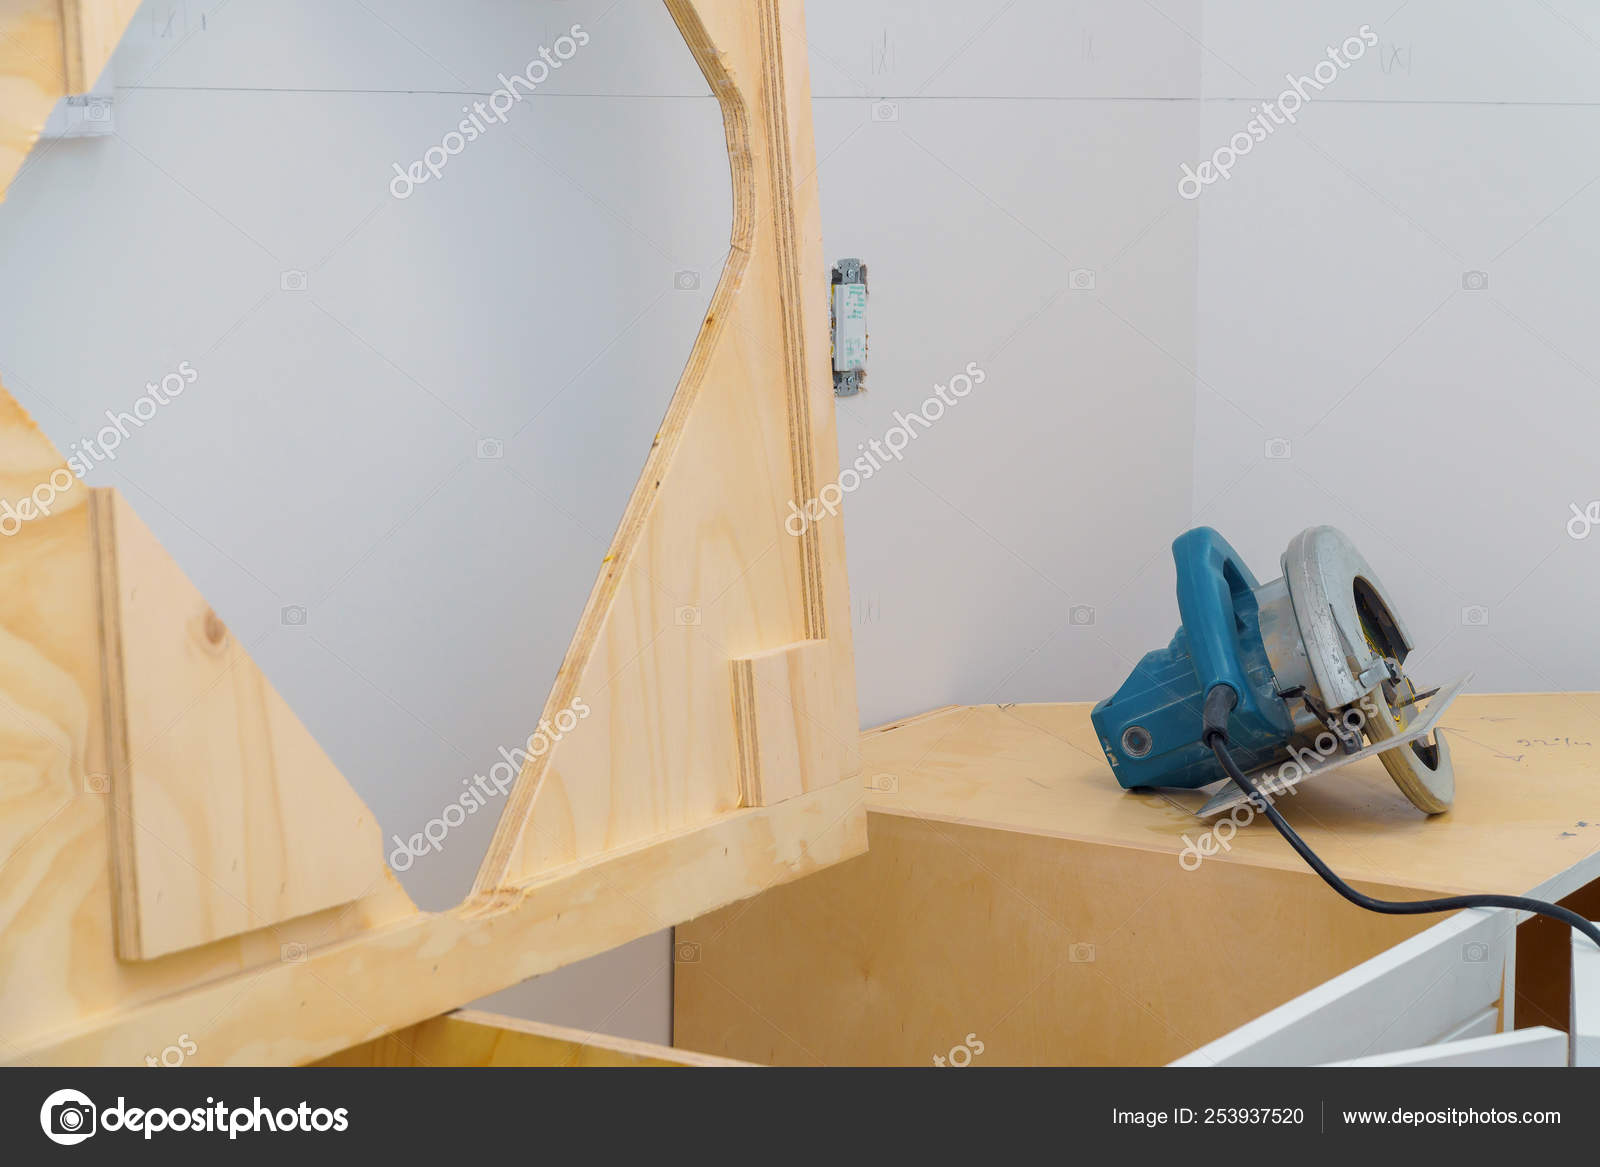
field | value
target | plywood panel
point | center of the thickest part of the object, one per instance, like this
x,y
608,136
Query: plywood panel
x,y
58,953
1001,842
228,815
750,428
49,49
90,32
1049,951
472,1038
617,833
1526,819
785,712
325,997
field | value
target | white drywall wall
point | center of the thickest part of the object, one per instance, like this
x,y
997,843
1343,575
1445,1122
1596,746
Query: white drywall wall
x,y
1448,428
1016,144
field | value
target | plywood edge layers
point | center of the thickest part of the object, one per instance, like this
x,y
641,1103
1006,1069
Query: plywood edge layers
x,y
424,964
761,157
48,50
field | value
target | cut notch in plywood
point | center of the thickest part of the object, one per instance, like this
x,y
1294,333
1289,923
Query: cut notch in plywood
x,y
227,815
785,719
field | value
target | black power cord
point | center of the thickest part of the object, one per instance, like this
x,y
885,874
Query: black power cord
x,y
1219,703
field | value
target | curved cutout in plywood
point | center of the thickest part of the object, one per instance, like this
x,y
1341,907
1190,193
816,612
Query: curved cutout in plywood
x,y
624,831
440,589
749,429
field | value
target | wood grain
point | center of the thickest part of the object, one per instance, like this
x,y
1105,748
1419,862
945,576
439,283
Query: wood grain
x,y
1000,842
323,997
1050,951
1526,820
623,829
33,77
58,949
48,50
90,30
702,571
785,719
228,815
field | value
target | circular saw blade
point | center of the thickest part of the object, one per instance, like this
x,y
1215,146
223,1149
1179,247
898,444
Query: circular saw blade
x,y
1422,772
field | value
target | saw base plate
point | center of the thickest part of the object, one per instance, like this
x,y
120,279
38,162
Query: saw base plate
x,y
1426,786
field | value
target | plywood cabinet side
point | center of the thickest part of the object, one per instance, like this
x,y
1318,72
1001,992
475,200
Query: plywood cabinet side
x,y
1048,951
1014,891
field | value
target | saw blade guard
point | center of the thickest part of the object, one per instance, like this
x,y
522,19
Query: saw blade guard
x,y
1343,612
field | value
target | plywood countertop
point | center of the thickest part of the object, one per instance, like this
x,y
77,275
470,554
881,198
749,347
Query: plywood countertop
x,y
1526,818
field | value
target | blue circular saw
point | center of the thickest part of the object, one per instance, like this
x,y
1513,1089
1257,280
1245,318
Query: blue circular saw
x,y
1316,660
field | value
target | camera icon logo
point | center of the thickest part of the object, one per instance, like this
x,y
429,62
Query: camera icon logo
x,y
885,111
96,784
67,1117
292,280
1474,281
1476,952
1081,954
686,281
292,953
687,616
1080,615
490,449
1278,449
1583,521
1475,616
1081,279
883,784
294,616
98,110
686,952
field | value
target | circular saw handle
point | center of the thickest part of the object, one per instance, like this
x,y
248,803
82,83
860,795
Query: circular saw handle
x,y
1216,598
